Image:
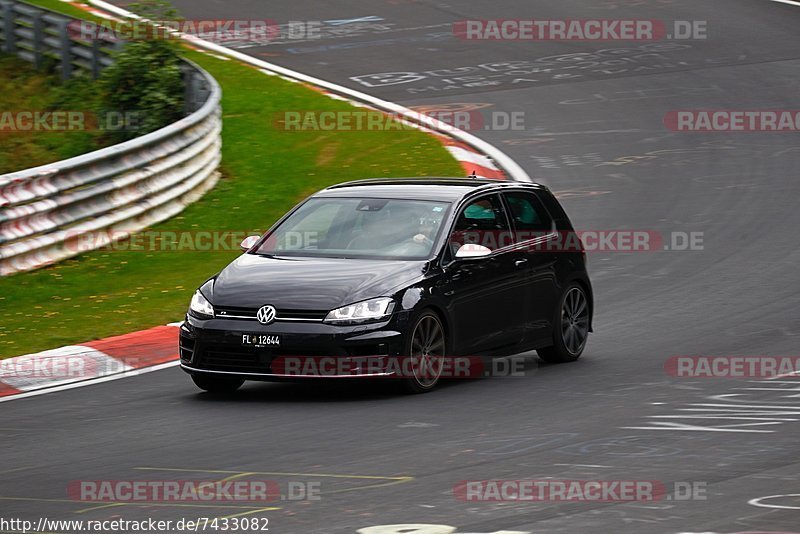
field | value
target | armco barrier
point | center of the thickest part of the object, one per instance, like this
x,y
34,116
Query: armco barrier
x,y
119,189
39,35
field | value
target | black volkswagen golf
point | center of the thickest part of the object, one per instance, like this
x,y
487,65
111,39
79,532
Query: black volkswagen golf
x,y
394,278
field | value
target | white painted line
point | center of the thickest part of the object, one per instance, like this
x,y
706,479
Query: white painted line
x,y
676,426
223,58
126,374
789,2
342,22
585,465
758,406
722,417
793,373
758,501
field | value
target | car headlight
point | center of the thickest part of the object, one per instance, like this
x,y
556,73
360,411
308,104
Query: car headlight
x,y
200,307
361,312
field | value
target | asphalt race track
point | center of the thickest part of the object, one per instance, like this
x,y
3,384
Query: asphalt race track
x,y
594,132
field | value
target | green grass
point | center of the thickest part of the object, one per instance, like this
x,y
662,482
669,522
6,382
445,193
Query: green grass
x,y
265,172
23,88
65,8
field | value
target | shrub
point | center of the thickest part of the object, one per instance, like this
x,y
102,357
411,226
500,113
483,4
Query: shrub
x,y
145,79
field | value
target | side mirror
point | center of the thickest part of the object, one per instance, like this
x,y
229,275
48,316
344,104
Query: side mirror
x,y
472,251
248,242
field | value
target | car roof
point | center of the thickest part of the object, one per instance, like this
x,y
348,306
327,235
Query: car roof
x,y
425,188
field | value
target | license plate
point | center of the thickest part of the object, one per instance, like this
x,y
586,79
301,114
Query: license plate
x,y
261,340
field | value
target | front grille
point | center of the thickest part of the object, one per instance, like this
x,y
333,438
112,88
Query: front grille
x,y
224,312
232,359
288,315
222,357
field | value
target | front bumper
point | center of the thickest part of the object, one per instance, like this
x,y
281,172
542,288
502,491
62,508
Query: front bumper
x,y
306,350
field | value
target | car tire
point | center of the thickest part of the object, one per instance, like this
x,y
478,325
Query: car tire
x,y
426,348
570,327
217,385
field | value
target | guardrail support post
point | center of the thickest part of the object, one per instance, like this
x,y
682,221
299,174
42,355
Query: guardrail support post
x,y
38,40
8,26
190,95
95,58
66,49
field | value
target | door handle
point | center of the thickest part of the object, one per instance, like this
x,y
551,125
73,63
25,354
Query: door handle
x,y
520,263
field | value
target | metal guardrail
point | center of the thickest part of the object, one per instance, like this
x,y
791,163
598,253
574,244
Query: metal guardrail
x,y
38,35
108,194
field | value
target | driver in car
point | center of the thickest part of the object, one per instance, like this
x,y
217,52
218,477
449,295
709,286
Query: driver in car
x,y
425,231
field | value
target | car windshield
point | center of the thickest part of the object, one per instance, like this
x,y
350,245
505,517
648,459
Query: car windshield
x,y
359,228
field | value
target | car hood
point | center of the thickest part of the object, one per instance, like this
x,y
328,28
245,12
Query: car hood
x,y
292,283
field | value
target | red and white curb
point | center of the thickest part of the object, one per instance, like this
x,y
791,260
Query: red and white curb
x,y
76,365
472,161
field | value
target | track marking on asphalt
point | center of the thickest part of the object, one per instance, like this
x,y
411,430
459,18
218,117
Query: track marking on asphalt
x,y
14,470
341,22
250,512
274,473
788,2
584,465
388,481
109,378
758,502
100,507
793,373
423,528
255,511
732,407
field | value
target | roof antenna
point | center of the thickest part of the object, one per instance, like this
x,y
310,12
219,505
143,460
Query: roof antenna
x,y
473,175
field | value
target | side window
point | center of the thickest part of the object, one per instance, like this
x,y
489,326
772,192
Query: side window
x,y
530,218
482,222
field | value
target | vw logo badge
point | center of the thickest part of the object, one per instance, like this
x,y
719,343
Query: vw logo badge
x,y
265,314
